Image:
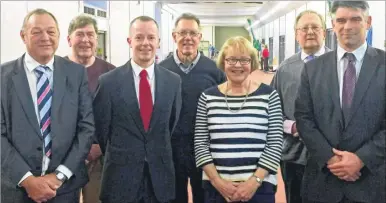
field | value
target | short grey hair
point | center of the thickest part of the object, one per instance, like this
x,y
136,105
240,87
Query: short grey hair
x,y
38,11
310,12
362,5
187,16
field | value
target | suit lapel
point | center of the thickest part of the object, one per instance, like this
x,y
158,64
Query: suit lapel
x,y
59,89
368,69
159,88
130,97
23,92
332,79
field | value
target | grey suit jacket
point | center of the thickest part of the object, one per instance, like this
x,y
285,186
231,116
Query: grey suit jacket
x,y
320,123
124,141
72,126
286,82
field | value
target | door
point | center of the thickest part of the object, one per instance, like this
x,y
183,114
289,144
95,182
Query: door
x,y
281,48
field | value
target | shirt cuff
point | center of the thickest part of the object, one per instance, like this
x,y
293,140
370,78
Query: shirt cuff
x,y
287,126
28,174
63,169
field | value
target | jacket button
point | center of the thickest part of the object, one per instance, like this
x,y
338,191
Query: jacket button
x,y
39,148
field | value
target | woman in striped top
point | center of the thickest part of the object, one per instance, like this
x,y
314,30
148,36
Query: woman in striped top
x,y
238,134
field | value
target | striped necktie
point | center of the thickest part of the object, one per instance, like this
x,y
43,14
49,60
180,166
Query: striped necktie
x,y
44,98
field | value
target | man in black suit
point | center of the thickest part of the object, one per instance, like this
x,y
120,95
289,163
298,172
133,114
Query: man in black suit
x,y
47,122
134,134
340,112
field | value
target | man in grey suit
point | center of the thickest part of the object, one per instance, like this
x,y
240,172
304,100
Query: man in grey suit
x,y
340,112
310,30
134,134
47,121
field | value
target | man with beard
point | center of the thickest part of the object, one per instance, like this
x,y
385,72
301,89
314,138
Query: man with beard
x,y
83,40
310,33
197,73
134,134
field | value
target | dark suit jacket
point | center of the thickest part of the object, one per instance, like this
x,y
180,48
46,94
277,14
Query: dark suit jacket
x,y
72,126
123,140
320,123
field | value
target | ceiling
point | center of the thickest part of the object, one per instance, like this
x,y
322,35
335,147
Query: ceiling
x,y
231,13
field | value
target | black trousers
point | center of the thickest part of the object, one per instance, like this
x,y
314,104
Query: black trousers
x,y
266,68
344,200
185,168
146,192
292,174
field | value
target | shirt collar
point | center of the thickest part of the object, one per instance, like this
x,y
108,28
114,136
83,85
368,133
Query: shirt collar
x,y
178,61
31,63
137,69
318,53
359,53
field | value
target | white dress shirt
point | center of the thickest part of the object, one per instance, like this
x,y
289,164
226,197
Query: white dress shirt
x,y
29,66
287,125
359,54
150,77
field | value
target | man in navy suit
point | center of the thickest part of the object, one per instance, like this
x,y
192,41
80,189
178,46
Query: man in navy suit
x,y
136,110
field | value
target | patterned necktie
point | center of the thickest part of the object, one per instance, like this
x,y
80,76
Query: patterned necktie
x,y
145,100
44,98
349,81
309,58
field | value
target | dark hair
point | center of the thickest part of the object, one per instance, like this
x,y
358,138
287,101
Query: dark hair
x,y
143,19
81,21
187,16
363,5
38,11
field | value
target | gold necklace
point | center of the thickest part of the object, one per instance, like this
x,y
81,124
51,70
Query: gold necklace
x,y
245,99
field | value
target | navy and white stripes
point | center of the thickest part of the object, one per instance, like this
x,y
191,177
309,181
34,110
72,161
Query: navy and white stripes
x,y
239,142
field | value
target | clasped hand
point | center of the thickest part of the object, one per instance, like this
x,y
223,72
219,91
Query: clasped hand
x,y
41,189
236,191
345,165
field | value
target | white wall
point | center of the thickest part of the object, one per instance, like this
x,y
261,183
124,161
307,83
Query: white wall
x,y
377,11
119,31
289,34
275,51
208,34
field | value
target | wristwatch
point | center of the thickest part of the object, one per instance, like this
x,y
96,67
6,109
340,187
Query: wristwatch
x,y
258,180
60,176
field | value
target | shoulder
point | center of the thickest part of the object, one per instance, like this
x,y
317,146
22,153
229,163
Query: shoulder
x,y
167,74
166,63
104,63
8,67
70,65
289,62
209,63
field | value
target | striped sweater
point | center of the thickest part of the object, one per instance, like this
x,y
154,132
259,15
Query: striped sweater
x,y
239,142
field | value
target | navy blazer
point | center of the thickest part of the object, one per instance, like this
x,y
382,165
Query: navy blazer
x,y
124,141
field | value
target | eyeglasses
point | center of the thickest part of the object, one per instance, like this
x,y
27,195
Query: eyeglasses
x,y
233,61
305,29
186,33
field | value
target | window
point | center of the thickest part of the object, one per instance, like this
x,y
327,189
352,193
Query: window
x,y
89,10
101,13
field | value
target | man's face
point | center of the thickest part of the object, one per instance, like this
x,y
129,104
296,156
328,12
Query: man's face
x,y
187,36
350,27
41,37
83,41
310,33
144,41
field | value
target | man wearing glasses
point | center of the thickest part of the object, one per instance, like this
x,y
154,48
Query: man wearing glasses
x,y
310,34
197,73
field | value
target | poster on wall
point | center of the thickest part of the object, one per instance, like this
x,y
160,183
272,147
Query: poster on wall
x,y
102,5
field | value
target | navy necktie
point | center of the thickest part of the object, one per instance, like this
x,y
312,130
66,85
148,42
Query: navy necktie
x,y
309,58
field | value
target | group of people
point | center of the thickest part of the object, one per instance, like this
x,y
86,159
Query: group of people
x,y
137,133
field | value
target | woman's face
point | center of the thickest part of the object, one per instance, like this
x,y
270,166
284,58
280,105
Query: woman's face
x,y
237,66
